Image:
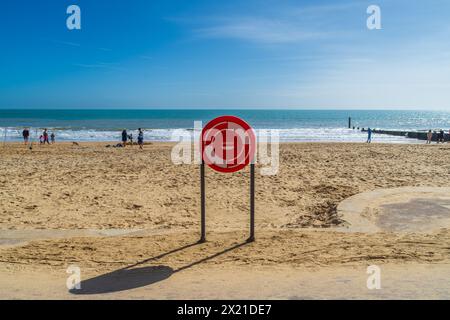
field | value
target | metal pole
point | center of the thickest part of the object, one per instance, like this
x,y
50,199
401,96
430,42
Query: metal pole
x,y
252,203
203,204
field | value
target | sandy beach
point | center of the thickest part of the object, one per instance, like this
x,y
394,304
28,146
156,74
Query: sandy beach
x,y
124,209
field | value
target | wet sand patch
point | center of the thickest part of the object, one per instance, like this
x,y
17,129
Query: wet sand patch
x,y
407,209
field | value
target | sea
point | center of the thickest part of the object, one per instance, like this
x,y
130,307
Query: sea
x,y
160,125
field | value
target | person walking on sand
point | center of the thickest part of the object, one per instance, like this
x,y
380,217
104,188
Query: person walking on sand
x,y
429,137
369,135
124,137
52,137
441,136
141,139
26,135
45,137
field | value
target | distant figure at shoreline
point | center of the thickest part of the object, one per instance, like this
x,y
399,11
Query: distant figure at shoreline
x,y
45,137
141,139
52,137
441,136
26,135
130,137
429,137
124,137
369,135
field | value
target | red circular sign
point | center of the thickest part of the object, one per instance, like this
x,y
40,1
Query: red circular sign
x,y
228,144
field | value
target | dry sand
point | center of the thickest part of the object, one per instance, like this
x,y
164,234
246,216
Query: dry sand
x,y
90,186
93,187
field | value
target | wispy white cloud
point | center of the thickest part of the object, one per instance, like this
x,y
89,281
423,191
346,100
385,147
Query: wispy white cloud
x,y
256,29
67,43
283,24
75,44
101,65
325,8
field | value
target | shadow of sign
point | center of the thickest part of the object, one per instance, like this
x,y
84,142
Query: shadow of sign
x,y
132,277
124,279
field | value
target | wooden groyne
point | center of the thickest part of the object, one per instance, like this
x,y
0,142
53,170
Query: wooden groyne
x,y
420,135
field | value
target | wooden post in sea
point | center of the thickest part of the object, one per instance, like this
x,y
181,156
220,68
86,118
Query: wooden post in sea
x,y
349,122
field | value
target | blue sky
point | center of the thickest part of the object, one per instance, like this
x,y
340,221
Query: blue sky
x,y
225,54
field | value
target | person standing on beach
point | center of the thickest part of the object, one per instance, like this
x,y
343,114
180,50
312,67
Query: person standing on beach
x,y
441,136
141,139
124,137
26,135
45,137
429,137
52,137
369,135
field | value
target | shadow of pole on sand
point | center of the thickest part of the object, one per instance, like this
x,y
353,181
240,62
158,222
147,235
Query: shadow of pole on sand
x,y
123,279
131,277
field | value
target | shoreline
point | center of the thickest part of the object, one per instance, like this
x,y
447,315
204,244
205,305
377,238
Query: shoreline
x,y
414,142
295,135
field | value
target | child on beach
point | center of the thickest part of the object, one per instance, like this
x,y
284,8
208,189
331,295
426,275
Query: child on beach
x,y
52,137
141,139
369,135
124,137
130,137
441,136
26,135
45,137
429,137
